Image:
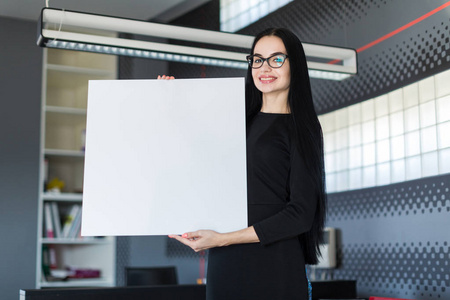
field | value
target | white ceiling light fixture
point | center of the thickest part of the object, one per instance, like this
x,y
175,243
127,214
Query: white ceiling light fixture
x,y
74,31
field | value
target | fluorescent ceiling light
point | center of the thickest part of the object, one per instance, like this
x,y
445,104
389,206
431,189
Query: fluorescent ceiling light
x,y
97,33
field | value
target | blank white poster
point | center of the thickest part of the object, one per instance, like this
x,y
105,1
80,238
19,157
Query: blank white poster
x,y
165,157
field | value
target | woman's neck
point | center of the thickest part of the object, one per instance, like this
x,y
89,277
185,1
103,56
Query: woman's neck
x,y
275,104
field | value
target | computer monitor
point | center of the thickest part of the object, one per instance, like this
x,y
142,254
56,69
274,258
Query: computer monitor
x,y
140,276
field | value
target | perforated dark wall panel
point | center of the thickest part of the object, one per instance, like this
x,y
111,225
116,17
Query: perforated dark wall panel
x,y
414,270
414,57
122,258
395,240
428,196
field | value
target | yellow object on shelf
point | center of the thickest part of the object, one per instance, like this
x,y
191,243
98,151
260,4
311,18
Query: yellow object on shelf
x,y
55,185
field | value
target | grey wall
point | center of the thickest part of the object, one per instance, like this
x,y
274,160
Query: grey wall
x,y
20,98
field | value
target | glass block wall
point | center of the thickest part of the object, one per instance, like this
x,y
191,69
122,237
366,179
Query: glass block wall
x,y
236,14
399,136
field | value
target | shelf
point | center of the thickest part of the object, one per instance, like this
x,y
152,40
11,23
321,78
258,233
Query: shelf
x,y
78,283
63,197
66,110
66,153
79,70
82,60
65,131
65,83
78,241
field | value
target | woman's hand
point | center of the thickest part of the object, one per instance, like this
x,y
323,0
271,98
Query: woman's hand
x,y
205,239
165,77
200,240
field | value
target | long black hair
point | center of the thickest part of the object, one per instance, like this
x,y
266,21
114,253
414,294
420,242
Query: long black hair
x,y
307,130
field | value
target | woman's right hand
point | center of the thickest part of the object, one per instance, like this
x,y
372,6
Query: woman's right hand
x,y
165,77
200,240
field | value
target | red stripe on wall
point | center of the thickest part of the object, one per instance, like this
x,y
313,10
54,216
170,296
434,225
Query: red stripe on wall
x,y
398,30
403,27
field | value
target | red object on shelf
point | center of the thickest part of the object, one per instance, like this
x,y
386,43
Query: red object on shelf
x,y
84,273
383,298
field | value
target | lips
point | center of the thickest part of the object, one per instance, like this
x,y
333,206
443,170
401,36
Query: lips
x,y
267,79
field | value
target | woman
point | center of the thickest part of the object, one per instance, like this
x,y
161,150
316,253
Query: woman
x,y
285,174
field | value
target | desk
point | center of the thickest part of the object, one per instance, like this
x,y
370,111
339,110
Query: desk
x,y
328,289
166,292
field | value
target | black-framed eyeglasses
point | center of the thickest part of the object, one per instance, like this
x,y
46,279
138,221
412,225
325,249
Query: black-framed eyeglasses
x,y
275,61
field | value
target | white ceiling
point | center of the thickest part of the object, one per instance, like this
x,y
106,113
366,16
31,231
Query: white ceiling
x,y
161,10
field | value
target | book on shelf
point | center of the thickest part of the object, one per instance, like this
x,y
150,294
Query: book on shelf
x,y
48,220
76,226
45,260
48,259
56,220
69,221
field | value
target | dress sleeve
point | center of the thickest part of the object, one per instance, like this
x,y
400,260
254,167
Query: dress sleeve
x,y
298,215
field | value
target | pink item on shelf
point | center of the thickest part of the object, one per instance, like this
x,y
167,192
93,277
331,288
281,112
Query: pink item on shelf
x,y
83,273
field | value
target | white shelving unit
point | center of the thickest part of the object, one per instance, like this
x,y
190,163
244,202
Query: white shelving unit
x,y
64,105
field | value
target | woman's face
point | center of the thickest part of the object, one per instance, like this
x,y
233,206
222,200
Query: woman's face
x,y
271,81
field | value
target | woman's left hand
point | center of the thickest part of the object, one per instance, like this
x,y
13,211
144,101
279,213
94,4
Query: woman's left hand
x,y
200,240
165,77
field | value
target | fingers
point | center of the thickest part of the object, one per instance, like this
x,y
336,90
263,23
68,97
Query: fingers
x,y
188,242
188,236
165,77
179,238
190,239
191,235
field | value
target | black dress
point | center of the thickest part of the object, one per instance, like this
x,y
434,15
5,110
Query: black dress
x,y
281,206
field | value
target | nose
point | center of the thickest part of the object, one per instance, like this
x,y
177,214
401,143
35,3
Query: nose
x,y
265,66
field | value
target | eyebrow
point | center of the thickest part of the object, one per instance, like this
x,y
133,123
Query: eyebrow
x,y
275,53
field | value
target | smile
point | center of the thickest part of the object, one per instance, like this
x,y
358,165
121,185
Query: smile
x,y
267,79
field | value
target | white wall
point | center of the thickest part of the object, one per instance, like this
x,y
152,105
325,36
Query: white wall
x,y
399,136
